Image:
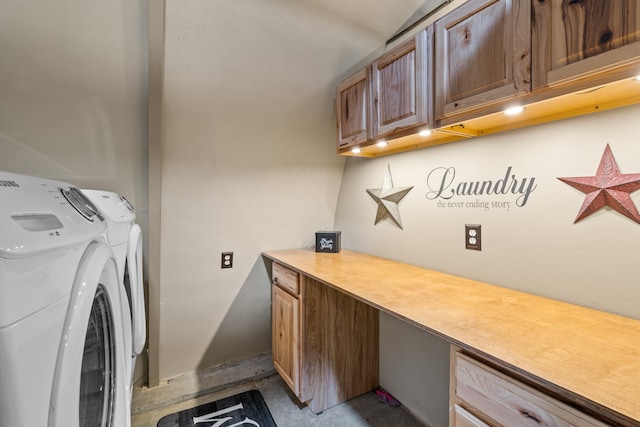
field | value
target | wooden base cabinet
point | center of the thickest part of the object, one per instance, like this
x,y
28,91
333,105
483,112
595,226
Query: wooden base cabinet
x,y
484,396
325,343
286,337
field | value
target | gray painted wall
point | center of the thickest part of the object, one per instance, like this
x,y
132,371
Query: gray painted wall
x,y
244,158
73,95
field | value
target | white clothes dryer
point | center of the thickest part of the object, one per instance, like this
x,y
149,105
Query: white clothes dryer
x,y
124,237
65,324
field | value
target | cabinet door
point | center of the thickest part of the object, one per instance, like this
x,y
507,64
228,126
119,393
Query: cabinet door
x,y
401,82
483,56
341,346
286,334
352,109
576,39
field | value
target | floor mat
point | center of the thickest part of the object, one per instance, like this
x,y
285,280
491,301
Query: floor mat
x,y
244,409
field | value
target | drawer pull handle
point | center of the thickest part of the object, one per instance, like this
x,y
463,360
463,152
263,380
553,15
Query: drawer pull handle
x,y
529,415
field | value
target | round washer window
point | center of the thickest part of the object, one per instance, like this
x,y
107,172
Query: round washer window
x,y
97,380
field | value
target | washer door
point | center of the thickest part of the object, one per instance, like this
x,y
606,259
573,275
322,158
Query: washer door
x,y
90,381
134,284
97,375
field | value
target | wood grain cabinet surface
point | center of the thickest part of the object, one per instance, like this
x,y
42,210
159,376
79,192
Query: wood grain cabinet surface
x,y
402,81
559,58
574,40
325,343
527,358
463,418
390,97
286,325
353,104
484,396
482,57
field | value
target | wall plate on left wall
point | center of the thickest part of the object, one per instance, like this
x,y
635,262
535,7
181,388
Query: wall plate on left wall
x,y
227,260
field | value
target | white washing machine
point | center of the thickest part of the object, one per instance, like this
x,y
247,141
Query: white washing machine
x,y
124,237
65,319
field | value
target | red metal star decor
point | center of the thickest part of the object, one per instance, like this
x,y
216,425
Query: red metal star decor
x,y
607,188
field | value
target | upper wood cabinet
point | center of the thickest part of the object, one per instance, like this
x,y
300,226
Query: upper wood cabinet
x,y
558,58
482,57
401,81
390,96
353,102
576,39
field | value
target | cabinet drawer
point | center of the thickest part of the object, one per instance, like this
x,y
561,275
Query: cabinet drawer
x,y
487,392
286,278
465,419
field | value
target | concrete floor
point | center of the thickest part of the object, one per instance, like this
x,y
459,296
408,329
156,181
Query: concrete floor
x,y
149,405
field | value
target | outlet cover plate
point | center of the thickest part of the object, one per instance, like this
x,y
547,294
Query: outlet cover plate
x,y
473,237
227,260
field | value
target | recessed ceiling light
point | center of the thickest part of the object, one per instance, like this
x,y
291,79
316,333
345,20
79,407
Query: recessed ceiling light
x,y
382,143
514,110
355,150
425,132
637,77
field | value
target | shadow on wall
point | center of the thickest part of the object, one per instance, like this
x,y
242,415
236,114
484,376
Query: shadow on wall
x,y
245,331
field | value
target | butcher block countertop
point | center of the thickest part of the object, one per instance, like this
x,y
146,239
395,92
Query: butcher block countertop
x,y
587,354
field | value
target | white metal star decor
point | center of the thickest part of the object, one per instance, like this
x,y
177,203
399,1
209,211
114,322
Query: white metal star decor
x,y
387,197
